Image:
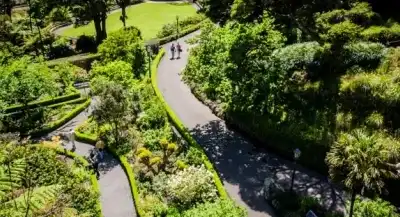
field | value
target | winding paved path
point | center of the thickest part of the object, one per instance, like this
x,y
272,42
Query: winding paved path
x,y
242,169
116,198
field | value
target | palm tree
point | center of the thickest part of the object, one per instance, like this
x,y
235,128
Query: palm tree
x,y
362,162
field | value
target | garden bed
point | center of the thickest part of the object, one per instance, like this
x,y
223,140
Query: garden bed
x,y
55,184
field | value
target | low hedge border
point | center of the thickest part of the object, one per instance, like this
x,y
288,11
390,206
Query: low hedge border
x,y
56,124
89,139
85,138
93,178
182,130
47,102
185,32
74,101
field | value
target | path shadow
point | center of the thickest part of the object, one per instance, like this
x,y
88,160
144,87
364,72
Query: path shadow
x,y
109,162
239,163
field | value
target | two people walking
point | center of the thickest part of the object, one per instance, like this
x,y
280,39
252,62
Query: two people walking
x,y
177,48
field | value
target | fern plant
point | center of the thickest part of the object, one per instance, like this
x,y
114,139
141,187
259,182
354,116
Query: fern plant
x,y
11,177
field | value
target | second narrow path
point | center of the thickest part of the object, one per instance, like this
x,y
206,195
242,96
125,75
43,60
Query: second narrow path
x,y
115,193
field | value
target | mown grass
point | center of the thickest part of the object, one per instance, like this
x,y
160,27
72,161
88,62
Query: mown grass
x,y
148,17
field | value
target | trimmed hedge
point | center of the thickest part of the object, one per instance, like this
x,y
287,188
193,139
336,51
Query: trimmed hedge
x,y
93,178
81,60
84,137
182,130
74,101
56,124
187,31
44,102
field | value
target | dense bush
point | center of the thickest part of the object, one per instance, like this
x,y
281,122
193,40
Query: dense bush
x,y
60,48
86,44
382,34
116,71
376,208
170,28
126,45
292,204
59,14
191,185
364,54
45,179
290,96
226,208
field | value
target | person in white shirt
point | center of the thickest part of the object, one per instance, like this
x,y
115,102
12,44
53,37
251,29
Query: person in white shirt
x,y
68,137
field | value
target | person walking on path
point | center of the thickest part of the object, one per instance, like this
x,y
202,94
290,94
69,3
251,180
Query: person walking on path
x,y
172,51
68,137
94,160
178,47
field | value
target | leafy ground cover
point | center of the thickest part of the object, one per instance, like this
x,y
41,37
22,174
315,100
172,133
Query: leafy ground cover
x,y
148,17
36,181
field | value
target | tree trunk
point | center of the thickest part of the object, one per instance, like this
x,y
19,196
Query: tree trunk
x,y
97,26
353,199
123,17
8,7
103,24
116,133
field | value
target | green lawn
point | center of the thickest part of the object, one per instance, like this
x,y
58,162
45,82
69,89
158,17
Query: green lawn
x,y
148,17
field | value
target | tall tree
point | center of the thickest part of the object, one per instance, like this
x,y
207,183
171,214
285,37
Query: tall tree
x,y
362,162
6,7
123,4
113,108
217,10
96,10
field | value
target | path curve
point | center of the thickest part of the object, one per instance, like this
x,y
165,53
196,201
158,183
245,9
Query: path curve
x,y
116,198
242,169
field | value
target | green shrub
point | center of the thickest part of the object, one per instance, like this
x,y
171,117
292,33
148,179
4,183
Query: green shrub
x,y
364,54
118,71
226,208
86,44
191,185
59,14
170,28
376,208
292,204
126,45
297,56
382,34
60,48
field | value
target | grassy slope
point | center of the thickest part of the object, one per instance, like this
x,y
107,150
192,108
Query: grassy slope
x,y
148,17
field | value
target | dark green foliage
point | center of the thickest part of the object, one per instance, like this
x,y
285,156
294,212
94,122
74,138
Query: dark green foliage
x,y
86,44
60,14
364,54
171,28
60,48
217,10
291,96
126,45
291,204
